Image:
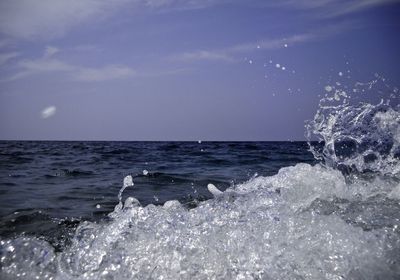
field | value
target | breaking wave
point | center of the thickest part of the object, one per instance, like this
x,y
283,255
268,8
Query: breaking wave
x,y
335,220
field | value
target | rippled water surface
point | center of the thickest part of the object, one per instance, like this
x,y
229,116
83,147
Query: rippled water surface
x,y
46,187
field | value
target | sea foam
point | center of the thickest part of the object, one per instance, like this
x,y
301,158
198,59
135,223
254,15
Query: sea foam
x,y
304,222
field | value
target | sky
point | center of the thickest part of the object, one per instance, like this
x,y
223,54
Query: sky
x,y
226,70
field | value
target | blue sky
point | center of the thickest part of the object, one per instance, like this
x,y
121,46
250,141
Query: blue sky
x,y
184,70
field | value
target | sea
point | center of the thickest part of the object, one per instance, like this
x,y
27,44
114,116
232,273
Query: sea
x,y
326,208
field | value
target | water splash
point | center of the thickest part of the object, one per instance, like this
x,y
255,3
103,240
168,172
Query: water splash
x,y
357,135
128,182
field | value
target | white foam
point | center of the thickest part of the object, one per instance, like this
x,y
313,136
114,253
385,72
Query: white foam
x,y
298,224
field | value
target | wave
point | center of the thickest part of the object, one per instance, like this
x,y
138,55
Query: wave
x,y
337,219
306,221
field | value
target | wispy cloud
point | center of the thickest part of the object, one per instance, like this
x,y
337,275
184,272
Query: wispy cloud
x,y
26,68
168,5
272,44
5,57
48,64
356,6
86,48
228,54
215,55
50,51
110,72
28,19
48,18
330,8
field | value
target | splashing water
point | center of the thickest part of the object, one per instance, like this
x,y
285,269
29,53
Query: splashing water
x,y
358,135
306,222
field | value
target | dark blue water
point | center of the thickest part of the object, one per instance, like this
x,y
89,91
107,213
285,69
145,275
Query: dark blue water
x,y
47,188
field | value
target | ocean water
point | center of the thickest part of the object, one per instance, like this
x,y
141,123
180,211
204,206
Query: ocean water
x,y
49,187
327,209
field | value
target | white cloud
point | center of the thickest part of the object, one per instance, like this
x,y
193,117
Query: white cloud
x,y
110,72
355,6
204,55
27,68
48,64
86,48
228,54
271,44
45,65
44,18
51,18
29,19
50,51
4,57
181,4
330,8
48,112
